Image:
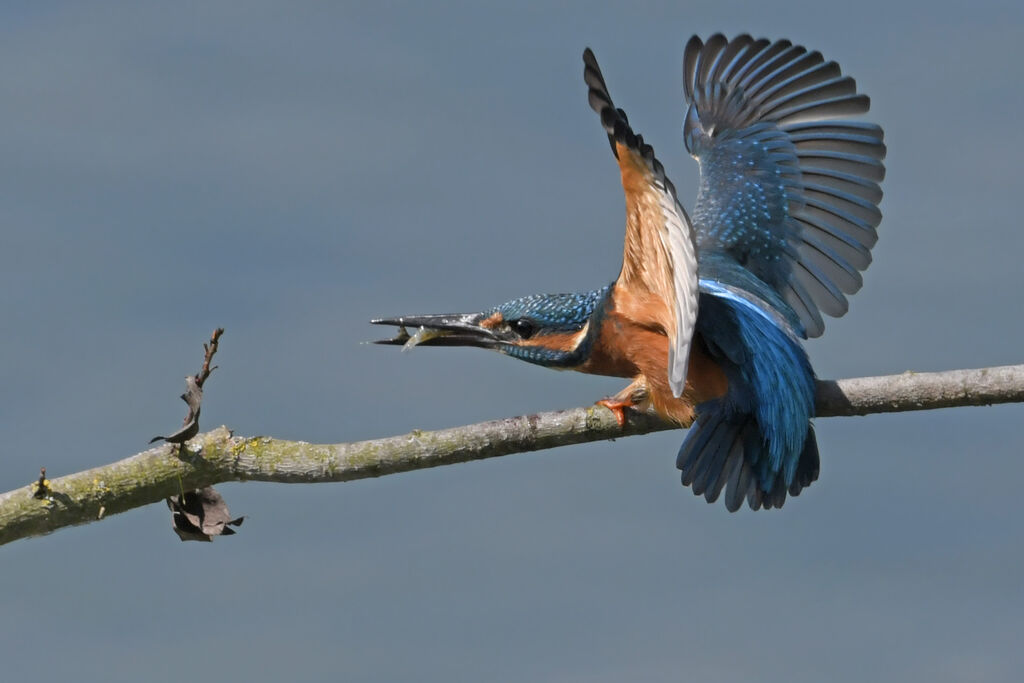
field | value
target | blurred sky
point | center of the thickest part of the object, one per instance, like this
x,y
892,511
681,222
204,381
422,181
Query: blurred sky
x,y
291,170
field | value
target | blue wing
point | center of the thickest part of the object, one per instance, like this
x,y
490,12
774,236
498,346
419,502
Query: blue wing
x,y
789,188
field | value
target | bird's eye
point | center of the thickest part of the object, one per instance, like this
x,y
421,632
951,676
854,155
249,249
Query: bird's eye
x,y
522,327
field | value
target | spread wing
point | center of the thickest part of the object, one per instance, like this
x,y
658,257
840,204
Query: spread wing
x,y
660,257
789,187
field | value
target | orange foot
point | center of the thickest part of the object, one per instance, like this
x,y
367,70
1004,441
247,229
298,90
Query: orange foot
x,y
617,407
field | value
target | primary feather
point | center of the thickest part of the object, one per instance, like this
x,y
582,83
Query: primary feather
x,y
785,220
788,188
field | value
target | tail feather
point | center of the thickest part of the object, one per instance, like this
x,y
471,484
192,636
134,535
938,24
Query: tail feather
x,y
727,451
738,485
732,460
810,465
698,443
709,467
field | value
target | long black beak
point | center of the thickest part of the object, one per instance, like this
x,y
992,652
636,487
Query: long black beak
x,y
444,329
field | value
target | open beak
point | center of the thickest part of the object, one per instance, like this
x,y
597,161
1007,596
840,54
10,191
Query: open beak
x,y
444,329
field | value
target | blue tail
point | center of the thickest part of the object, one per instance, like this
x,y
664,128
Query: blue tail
x,y
729,452
756,442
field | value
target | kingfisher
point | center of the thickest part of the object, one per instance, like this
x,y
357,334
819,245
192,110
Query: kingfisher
x,y
707,314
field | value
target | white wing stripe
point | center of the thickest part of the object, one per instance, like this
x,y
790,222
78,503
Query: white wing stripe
x,y
678,242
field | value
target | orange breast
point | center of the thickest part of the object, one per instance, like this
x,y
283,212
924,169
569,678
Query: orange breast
x,y
631,344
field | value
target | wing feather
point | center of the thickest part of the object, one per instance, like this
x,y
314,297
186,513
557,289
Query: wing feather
x,y
831,263
789,188
660,254
806,71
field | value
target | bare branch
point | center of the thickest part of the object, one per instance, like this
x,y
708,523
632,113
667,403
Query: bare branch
x,y
920,391
217,456
193,396
209,349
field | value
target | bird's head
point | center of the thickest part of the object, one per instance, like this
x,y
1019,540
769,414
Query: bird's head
x,y
546,329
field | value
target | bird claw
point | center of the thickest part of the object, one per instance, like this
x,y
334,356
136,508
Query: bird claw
x,y
617,407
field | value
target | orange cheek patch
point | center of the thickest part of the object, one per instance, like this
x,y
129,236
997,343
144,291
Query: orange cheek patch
x,y
559,342
492,321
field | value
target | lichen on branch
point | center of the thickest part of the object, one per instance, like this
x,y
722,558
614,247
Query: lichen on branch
x,y
218,456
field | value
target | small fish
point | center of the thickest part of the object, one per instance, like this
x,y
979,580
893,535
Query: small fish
x,y
421,335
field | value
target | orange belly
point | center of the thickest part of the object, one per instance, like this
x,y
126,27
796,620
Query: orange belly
x,y
626,348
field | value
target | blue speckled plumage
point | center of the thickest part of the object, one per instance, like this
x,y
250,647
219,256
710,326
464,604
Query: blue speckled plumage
x,y
745,192
551,314
788,188
783,225
785,219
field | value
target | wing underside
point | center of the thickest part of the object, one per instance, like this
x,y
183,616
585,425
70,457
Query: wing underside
x,y
659,257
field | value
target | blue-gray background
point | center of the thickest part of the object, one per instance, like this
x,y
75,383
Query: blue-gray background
x,y
289,171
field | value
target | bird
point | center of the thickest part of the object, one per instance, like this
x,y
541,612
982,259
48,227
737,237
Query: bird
x,y
709,311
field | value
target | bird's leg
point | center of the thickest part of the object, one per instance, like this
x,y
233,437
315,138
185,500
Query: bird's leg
x,y
633,395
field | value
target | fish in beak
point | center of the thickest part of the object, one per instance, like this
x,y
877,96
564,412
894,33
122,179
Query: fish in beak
x,y
444,329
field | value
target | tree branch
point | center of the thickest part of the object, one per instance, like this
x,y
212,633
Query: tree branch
x,y
217,456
